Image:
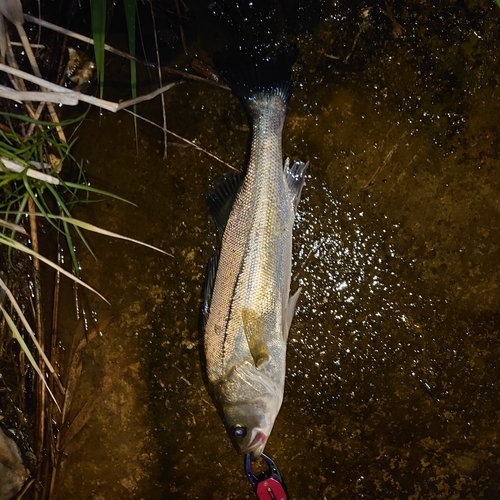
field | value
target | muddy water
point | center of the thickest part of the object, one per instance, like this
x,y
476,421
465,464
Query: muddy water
x,y
393,376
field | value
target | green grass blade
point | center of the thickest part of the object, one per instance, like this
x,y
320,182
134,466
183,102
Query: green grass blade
x,y
65,211
24,347
91,189
95,229
13,227
98,16
38,200
13,301
130,15
18,246
51,125
17,220
71,247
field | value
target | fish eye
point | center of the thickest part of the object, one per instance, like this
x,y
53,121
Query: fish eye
x,y
239,431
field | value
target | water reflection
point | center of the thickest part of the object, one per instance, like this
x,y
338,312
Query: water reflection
x,y
344,264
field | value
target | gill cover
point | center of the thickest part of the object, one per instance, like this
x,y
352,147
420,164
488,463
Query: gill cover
x,y
249,406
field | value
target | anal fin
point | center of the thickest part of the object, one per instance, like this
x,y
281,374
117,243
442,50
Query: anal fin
x,y
295,179
289,313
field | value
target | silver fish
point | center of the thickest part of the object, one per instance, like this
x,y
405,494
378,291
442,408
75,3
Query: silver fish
x,y
247,310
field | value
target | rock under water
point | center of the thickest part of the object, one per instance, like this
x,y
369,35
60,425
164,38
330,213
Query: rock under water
x,y
13,474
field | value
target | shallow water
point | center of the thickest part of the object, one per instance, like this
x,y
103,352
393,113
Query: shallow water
x,y
393,378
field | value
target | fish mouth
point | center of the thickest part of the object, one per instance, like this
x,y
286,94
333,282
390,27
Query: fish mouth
x,y
257,444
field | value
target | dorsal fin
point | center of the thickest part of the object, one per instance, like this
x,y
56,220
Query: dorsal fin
x,y
221,199
208,286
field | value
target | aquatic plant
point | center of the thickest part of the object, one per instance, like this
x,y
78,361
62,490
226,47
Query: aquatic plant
x,y
33,188
36,164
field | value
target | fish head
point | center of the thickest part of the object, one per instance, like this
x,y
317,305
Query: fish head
x,y
249,426
249,404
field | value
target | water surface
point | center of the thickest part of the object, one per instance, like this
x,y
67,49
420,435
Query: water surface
x,y
393,376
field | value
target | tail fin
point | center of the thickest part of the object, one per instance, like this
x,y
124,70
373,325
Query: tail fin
x,y
248,75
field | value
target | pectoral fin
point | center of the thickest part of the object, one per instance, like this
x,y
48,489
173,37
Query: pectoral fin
x,y
253,325
289,312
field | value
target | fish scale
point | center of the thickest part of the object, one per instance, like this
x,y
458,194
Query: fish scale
x,y
251,260
247,310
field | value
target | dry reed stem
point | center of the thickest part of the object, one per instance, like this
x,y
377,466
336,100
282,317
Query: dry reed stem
x,y
55,316
17,84
163,107
36,70
41,394
26,324
184,140
53,97
101,103
181,29
196,78
30,172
